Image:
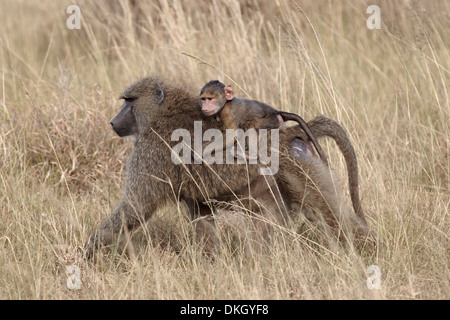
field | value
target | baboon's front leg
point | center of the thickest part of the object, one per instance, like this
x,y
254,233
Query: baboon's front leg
x,y
124,218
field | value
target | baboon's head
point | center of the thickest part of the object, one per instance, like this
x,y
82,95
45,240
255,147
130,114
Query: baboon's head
x,y
214,95
143,99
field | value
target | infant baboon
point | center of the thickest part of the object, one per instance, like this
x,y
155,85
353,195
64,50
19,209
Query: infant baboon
x,y
218,99
152,111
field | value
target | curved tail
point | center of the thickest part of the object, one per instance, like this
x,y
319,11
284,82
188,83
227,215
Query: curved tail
x,y
322,126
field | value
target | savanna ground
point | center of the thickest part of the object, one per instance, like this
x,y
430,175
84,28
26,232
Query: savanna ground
x,y
61,164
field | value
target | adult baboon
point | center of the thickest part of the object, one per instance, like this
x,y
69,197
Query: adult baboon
x,y
152,111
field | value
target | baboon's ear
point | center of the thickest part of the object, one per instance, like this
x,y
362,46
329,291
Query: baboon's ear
x,y
159,93
228,90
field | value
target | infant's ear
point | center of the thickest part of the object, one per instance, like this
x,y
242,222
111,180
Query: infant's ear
x,y
228,92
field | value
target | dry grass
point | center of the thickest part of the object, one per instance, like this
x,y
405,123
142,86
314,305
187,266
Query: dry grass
x,y
61,165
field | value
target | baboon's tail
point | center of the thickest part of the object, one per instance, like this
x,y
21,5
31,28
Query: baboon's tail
x,y
322,126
